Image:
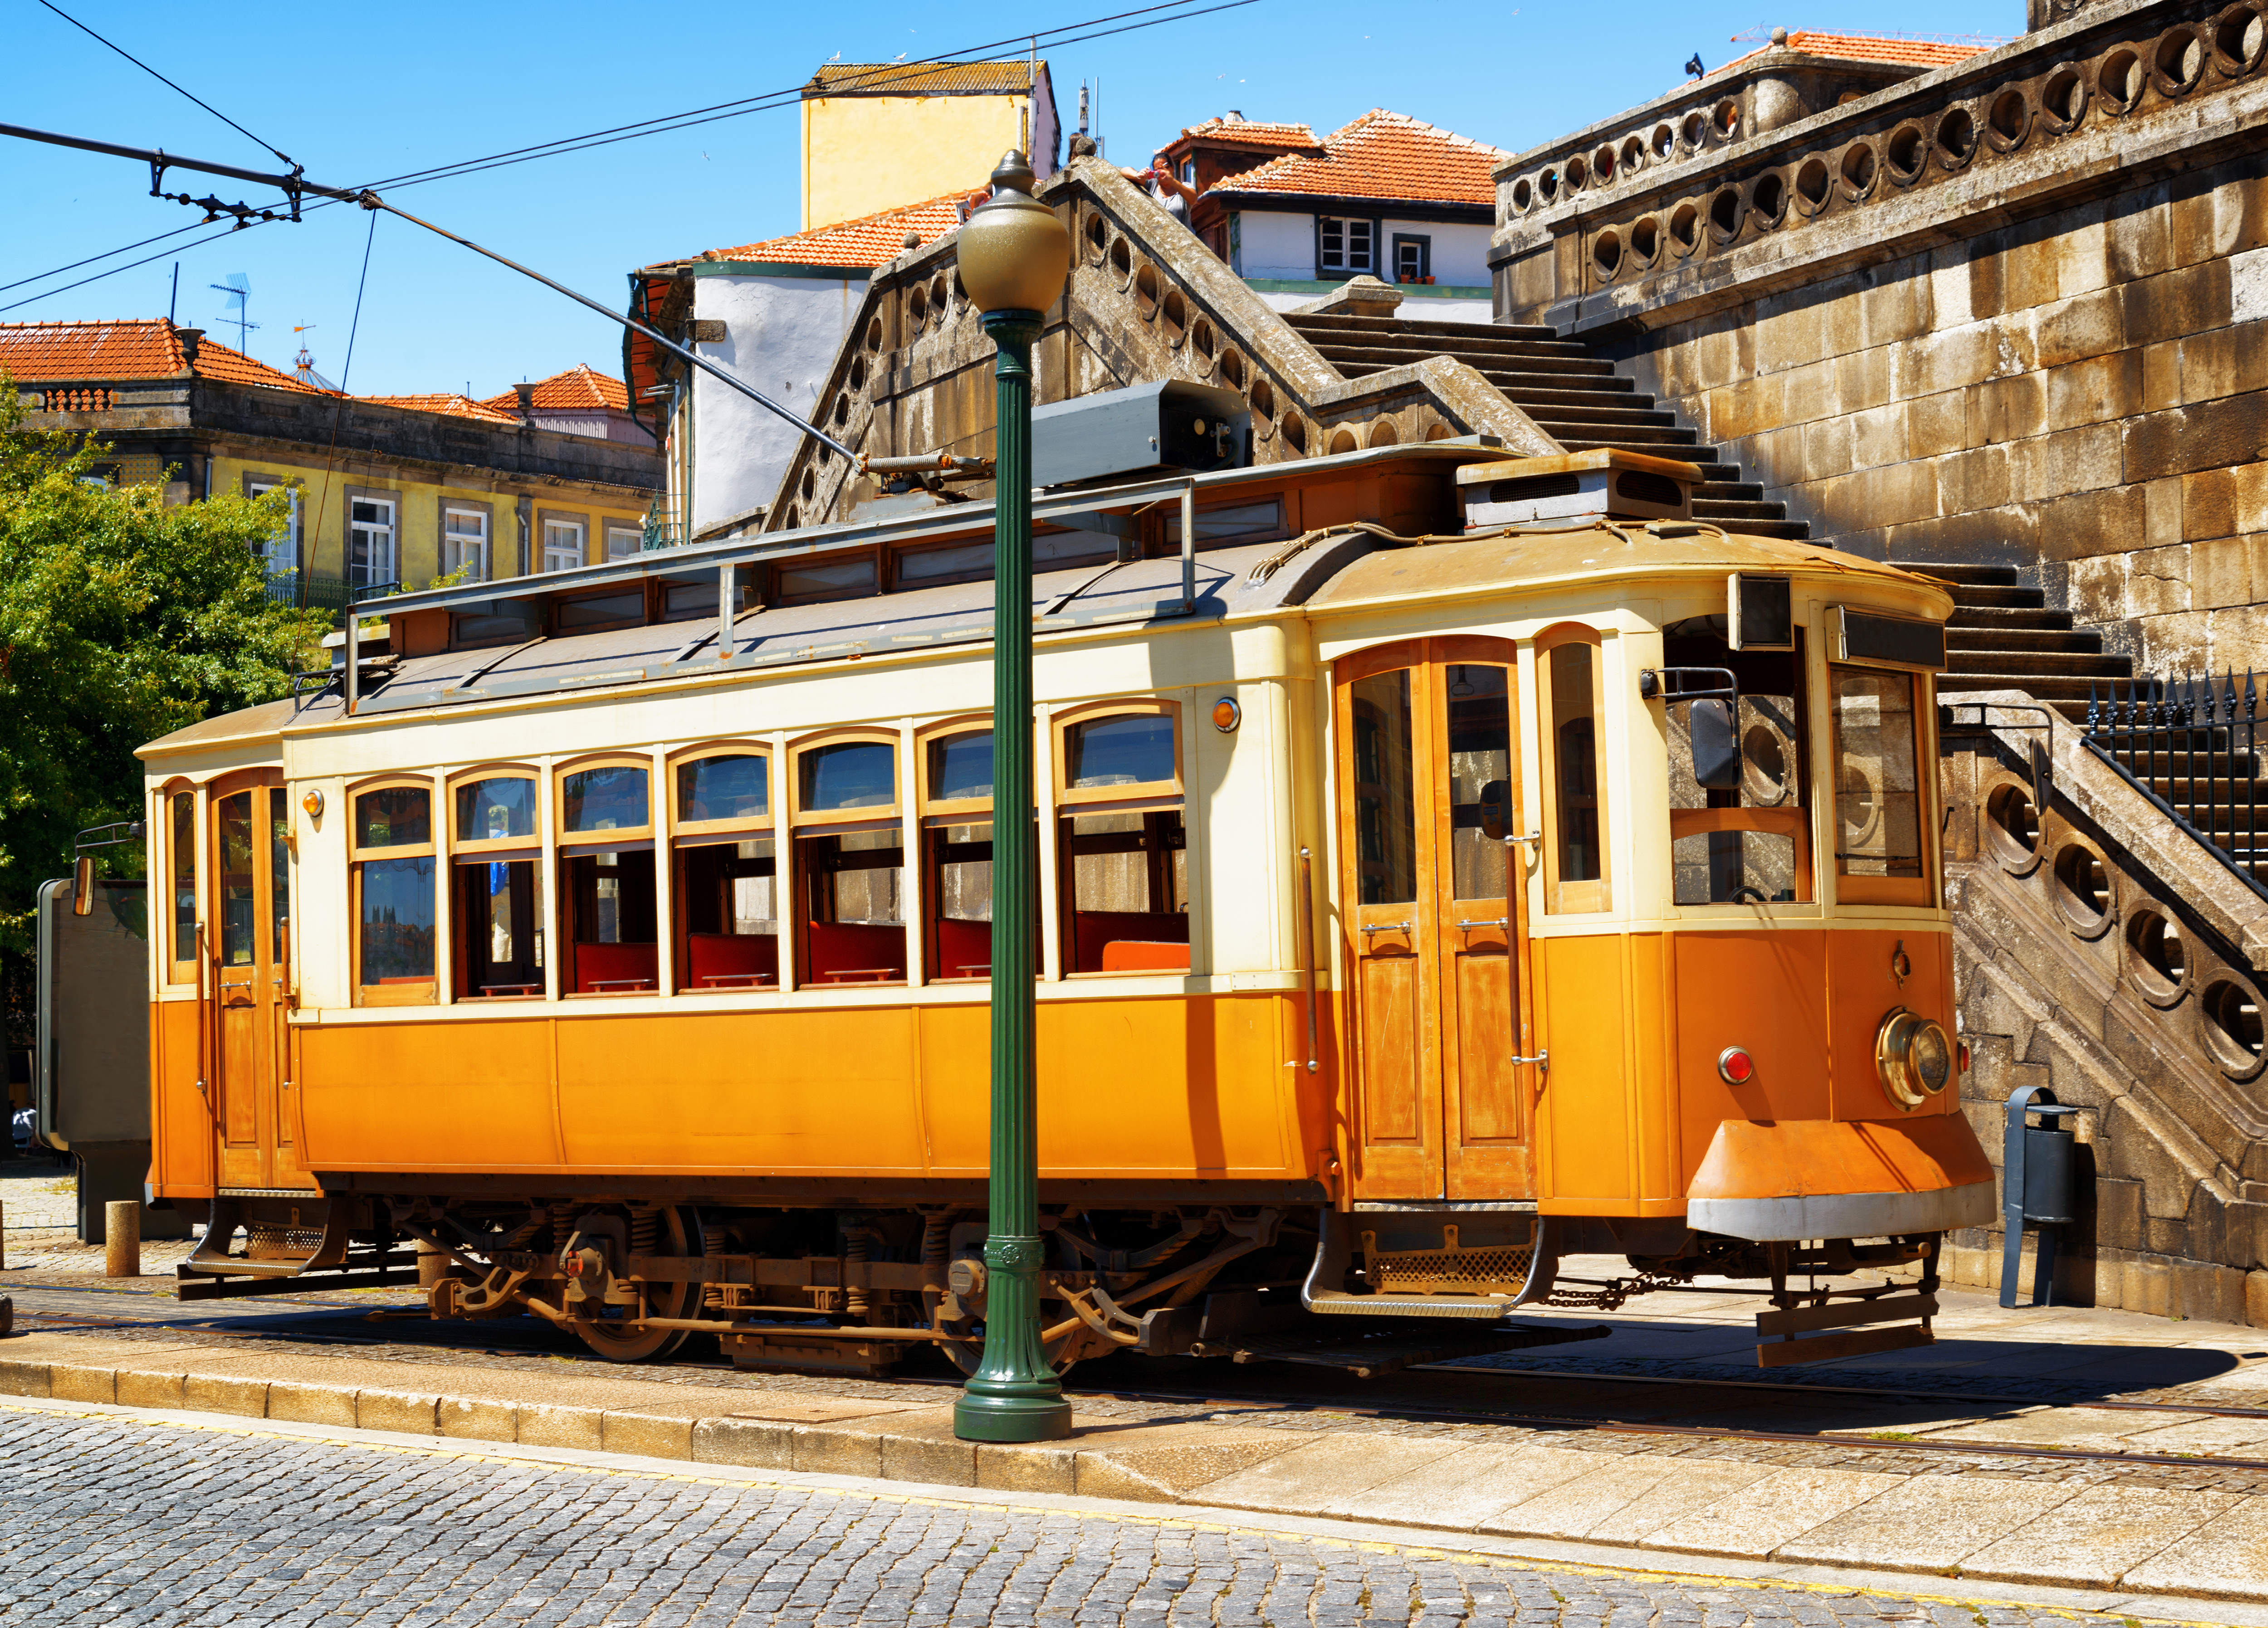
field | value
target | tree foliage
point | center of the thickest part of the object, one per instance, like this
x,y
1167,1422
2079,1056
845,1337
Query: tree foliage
x,y
121,619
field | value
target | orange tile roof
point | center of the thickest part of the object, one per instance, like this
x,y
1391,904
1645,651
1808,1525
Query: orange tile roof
x,y
922,78
1382,155
864,243
135,348
1924,54
581,388
447,402
1235,131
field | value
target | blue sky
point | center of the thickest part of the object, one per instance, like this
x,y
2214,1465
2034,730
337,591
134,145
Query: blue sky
x,y
357,92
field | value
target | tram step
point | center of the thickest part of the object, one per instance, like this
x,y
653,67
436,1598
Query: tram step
x,y
1388,1348
394,1270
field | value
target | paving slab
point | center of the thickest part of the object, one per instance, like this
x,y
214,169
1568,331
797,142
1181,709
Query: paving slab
x,y
1322,1472
2098,1536
2234,1438
1928,1523
1162,1463
2226,1559
1465,1488
1573,1507
1753,1521
1691,1484
2094,1430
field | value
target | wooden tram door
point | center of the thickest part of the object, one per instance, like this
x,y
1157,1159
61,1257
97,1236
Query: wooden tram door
x,y
1435,917
250,945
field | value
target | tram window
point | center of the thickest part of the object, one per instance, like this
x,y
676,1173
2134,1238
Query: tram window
x,y
1878,837
957,854
183,809
611,944
1222,524
393,861
496,906
1384,790
279,873
239,920
1480,780
727,865
1123,847
1748,844
1575,879
849,864
828,579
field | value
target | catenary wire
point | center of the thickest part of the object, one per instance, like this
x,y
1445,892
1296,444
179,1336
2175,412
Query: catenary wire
x,y
154,73
128,249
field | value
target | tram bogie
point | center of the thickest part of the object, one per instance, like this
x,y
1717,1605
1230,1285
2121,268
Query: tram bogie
x,y
1417,908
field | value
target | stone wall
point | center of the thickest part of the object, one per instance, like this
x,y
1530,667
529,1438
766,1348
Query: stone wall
x,y
2010,311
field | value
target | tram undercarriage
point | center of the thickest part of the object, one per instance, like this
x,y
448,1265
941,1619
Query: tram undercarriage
x,y
827,1289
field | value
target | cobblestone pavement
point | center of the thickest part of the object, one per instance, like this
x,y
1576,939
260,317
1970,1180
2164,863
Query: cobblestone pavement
x,y
110,1520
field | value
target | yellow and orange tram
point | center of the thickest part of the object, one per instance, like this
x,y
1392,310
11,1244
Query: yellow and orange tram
x,y
1438,876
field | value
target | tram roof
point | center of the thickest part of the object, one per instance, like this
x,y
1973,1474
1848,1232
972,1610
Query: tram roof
x,y
1336,569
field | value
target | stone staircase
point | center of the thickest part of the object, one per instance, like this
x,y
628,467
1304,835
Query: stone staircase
x,y
1575,398
2002,636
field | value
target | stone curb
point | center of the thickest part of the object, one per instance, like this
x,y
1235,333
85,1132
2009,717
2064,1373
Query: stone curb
x,y
1879,1524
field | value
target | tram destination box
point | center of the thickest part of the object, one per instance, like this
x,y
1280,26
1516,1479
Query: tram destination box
x,y
1169,425
1620,486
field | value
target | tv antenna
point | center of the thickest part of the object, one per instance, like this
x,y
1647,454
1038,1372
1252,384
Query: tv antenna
x,y
238,287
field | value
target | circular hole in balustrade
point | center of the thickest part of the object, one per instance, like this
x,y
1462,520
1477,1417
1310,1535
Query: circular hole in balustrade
x,y
2121,80
2008,121
1632,155
1231,368
938,296
858,372
1645,240
1145,292
1201,338
1695,131
842,410
809,487
790,526
1607,254
1812,184
2177,62
1764,766
1685,228
1175,314
1438,431
1523,195
1295,434
916,309
874,334
1122,260
1546,185
1955,142
2228,1011
2157,957
1725,214
2012,826
1856,170
1341,440
1665,143
2063,100
1768,199
2082,887
1098,236
2240,36
1725,120
1263,401
1602,167
1577,173
1383,433
1903,153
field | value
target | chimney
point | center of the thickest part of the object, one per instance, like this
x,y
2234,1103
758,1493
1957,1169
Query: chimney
x,y
526,394
189,339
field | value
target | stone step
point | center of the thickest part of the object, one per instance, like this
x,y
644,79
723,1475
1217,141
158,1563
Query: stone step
x,y
1615,416
1728,510
2060,641
1786,530
1967,576
1729,491
2000,598
1664,442
1980,616
2019,666
1530,398
1314,323
2042,686
1432,345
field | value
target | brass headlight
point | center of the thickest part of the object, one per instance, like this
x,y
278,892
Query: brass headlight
x,y
1914,1056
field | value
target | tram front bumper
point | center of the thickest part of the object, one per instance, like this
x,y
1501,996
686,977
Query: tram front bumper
x,y
1785,1181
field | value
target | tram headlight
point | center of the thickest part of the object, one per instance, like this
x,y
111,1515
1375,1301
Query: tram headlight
x,y
1914,1056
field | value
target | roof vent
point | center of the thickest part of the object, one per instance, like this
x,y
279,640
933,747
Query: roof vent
x,y
1609,484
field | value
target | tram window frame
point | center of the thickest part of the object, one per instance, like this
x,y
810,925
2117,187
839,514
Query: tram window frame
x,y
783,571
938,818
600,845
690,838
808,828
1146,798
1790,819
182,849
392,991
1587,895
474,855
1861,888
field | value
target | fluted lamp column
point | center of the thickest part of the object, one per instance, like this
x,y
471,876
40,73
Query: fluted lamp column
x,y
1015,254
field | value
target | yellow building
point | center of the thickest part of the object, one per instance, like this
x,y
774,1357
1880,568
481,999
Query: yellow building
x,y
385,491
880,135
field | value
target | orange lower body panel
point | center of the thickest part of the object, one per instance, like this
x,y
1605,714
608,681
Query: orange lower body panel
x,y
1775,1181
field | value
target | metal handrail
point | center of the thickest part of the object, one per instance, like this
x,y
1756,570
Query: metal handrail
x,y
2155,718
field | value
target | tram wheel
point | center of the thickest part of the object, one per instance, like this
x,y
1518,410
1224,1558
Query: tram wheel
x,y
633,1344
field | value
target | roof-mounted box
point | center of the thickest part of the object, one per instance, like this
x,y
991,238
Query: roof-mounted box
x,y
1113,434
1609,484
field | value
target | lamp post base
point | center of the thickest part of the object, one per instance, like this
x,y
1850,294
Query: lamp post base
x,y
1015,1395
983,1415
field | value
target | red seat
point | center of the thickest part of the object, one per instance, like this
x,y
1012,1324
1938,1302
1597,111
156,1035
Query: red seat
x,y
731,960
854,952
964,949
1136,955
618,966
1097,929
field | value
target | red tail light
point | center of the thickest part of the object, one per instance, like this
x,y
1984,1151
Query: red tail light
x,y
1735,1067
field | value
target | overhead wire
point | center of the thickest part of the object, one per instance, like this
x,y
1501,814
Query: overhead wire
x,y
154,73
323,503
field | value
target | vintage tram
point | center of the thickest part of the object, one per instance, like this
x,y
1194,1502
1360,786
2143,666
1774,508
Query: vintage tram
x,y
1448,864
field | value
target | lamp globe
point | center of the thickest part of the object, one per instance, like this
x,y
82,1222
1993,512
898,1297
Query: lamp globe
x,y
1014,250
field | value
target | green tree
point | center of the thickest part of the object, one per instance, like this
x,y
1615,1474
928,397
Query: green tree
x,y
121,619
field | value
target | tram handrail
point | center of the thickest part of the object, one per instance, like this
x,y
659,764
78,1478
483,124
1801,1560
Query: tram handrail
x,y
1308,951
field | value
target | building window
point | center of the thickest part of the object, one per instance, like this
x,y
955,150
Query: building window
x,y
850,862
606,881
956,826
392,857
371,560
280,555
622,542
465,543
726,885
1413,258
182,842
497,871
1349,246
1575,805
1188,172
1878,801
563,545
1122,847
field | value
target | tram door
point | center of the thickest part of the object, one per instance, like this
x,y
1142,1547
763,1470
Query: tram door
x,y
249,946
1435,919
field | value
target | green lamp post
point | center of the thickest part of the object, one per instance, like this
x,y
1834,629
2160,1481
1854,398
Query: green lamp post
x,y
1015,254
